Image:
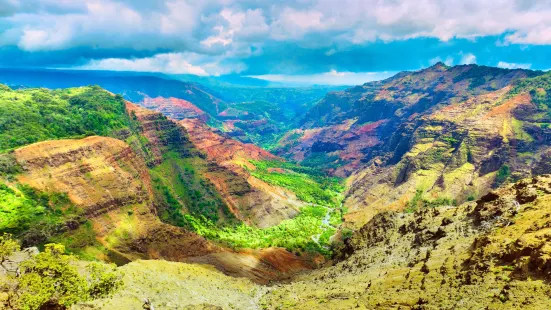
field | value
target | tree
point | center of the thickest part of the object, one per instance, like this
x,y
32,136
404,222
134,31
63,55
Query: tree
x,y
52,279
7,247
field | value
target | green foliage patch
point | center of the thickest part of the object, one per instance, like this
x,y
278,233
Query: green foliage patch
x,y
293,234
308,184
51,280
23,208
502,175
32,115
418,201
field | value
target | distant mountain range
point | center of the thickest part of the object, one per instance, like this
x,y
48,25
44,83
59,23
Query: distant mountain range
x,y
241,106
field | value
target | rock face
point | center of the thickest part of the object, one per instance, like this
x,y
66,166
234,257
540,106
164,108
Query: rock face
x,y
448,133
488,254
111,184
174,108
99,174
105,178
249,198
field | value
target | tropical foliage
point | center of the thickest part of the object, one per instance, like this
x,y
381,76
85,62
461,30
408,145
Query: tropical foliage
x,y
309,184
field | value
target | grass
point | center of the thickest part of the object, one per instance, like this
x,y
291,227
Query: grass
x,y
308,184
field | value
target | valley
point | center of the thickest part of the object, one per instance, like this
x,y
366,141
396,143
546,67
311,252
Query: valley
x,y
356,204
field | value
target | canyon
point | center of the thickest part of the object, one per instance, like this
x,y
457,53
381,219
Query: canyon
x,y
414,192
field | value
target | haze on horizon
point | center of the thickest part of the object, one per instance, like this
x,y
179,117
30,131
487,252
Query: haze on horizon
x,y
305,42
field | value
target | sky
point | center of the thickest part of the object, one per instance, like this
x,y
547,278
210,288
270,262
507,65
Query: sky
x,y
310,41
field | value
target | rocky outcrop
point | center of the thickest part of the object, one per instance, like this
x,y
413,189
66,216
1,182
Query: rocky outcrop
x,y
107,180
485,254
174,108
249,198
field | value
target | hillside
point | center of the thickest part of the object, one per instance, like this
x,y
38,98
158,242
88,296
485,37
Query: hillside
x,y
248,113
143,189
439,136
349,128
490,253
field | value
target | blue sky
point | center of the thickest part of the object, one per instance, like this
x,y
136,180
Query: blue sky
x,y
312,41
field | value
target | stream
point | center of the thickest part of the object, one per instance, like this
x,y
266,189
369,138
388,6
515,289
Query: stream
x,y
325,223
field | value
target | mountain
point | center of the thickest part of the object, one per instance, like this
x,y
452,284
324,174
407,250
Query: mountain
x,y
489,253
117,182
132,86
240,106
443,135
446,193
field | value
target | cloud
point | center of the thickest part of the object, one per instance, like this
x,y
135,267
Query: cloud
x,y
327,78
174,63
274,37
511,65
468,59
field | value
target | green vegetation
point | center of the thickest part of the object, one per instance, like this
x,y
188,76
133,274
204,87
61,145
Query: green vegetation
x,y
450,140
294,234
191,201
321,159
182,186
51,279
8,165
418,201
32,115
24,209
538,87
310,185
502,175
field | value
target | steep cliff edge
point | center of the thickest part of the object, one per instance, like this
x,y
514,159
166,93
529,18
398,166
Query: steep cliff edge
x,y
264,204
438,136
111,184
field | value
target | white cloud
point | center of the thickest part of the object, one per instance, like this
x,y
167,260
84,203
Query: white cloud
x,y
247,24
36,39
468,59
328,78
198,24
448,61
226,31
512,65
335,73
173,63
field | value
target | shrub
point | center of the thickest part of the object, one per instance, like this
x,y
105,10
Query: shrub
x,y
502,175
419,202
51,279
